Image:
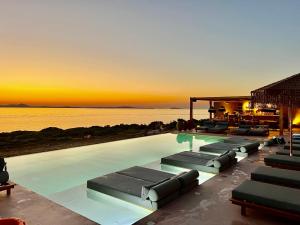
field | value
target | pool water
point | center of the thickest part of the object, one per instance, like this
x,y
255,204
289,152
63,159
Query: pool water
x,y
61,175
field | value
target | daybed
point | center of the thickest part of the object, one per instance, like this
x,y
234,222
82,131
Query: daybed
x,y
201,161
143,186
274,199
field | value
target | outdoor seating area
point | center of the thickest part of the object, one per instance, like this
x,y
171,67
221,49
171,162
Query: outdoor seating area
x,y
222,127
272,189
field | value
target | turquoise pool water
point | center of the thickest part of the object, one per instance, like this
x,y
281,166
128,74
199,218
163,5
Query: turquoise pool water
x,y
61,175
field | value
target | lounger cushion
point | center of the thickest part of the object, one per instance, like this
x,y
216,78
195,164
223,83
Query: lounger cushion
x,y
270,195
232,154
221,147
218,147
146,174
118,182
287,152
163,189
188,177
283,177
258,131
4,177
282,159
196,161
240,131
294,146
248,147
222,161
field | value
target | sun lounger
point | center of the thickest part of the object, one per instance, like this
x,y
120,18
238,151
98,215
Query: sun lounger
x,y
296,136
274,199
283,161
206,125
287,152
259,131
296,141
201,161
284,177
220,127
241,149
241,130
294,146
240,140
143,186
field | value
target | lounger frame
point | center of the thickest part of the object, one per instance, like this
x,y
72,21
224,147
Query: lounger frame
x,y
7,187
277,212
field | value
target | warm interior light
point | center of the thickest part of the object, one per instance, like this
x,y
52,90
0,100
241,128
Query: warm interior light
x,y
296,120
246,105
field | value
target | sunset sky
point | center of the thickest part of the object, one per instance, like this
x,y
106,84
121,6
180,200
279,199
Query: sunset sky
x,y
143,53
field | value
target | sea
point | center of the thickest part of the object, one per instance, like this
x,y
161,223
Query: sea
x,y
35,119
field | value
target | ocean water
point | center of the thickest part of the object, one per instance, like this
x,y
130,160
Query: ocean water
x,y
35,119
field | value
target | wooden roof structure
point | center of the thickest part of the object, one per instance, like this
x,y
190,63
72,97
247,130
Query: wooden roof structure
x,y
285,91
221,99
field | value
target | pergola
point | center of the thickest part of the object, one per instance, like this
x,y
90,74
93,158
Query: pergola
x,y
285,92
216,99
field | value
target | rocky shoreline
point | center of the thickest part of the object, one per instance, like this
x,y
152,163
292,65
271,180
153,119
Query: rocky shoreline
x,y
52,138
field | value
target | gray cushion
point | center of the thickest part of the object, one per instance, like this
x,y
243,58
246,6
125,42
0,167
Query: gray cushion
x,y
287,152
163,189
119,182
222,161
294,146
283,177
188,177
282,159
4,177
192,157
146,174
270,195
221,147
232,155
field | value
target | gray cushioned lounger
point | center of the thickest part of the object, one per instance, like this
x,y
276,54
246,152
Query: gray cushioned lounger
x,y
287,152
240,140
242,149
201,161
284,177
269,195
128,185
283,161
294,146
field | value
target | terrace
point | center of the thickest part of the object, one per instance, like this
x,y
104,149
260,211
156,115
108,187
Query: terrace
x,y
67,202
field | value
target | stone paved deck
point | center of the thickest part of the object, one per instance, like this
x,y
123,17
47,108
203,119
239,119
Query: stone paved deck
x,y
37,210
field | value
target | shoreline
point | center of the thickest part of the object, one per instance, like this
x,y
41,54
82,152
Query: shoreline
x,y
32,149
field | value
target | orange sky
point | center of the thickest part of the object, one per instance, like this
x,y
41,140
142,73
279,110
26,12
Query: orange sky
x,y
142,53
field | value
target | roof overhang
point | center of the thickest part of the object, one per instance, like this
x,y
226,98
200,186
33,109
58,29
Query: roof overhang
x,y
222,99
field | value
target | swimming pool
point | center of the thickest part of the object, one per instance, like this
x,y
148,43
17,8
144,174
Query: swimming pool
x,y
61,175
